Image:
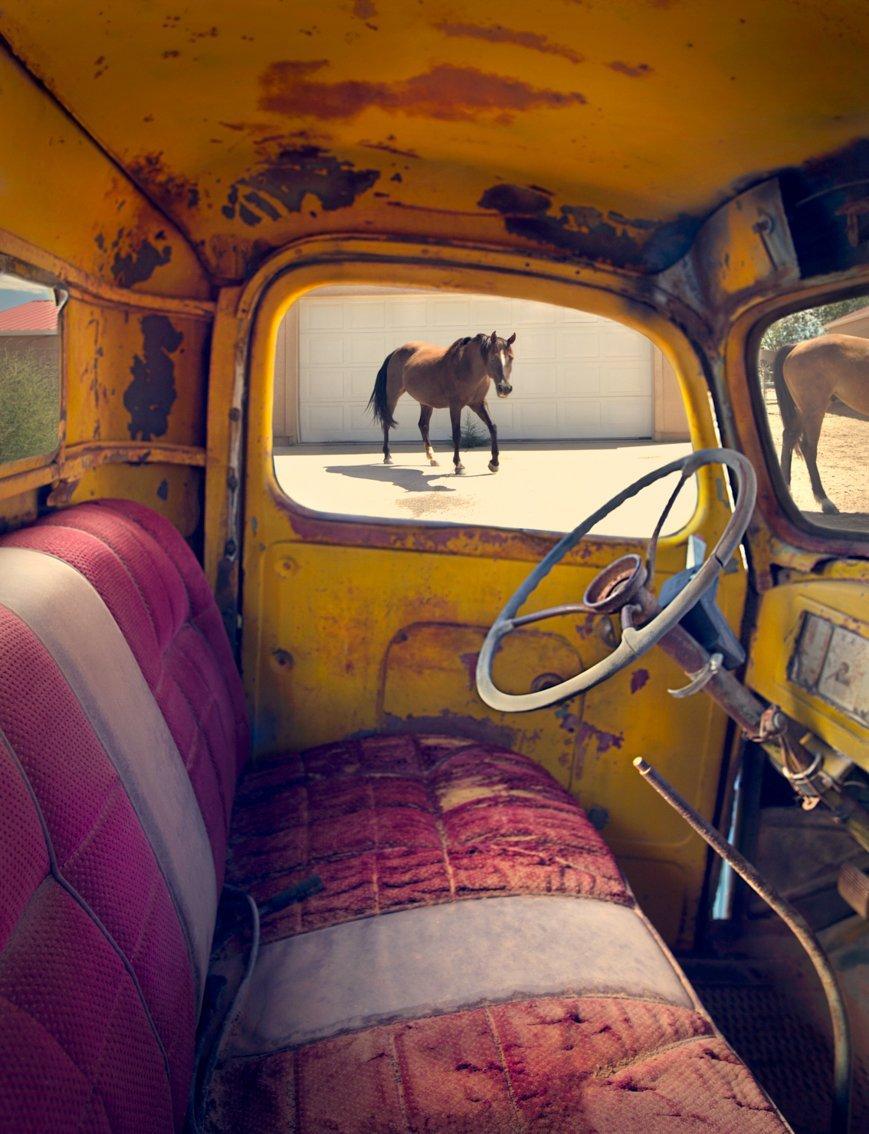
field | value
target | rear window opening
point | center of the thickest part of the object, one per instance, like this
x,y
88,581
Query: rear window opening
x,y
593,405
29,368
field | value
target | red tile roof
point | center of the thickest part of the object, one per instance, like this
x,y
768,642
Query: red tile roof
x,y
39,316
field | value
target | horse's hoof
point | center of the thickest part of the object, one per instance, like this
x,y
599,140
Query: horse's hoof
x,y
493,466
829,508
433,462
387,460
459,470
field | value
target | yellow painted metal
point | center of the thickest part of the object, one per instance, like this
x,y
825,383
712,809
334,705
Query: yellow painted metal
x,y
779,621
173,491
253,125
338,619
113,366
59,193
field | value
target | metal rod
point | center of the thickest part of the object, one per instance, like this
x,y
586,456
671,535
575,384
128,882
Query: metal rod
x,y
797,925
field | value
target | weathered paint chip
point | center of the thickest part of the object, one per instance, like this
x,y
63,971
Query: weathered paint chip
x,y
443,92
151,394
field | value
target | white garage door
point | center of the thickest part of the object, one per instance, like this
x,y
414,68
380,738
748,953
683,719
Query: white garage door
x,y
575,376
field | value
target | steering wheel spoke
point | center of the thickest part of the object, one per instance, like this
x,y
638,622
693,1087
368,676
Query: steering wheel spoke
x,y
620,587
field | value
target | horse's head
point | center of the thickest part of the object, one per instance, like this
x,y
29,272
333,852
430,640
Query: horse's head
x,y
498,355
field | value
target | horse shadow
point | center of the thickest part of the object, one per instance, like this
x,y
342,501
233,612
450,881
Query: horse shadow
x,y
409,479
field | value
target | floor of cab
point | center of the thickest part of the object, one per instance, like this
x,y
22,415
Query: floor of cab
x,y
761,990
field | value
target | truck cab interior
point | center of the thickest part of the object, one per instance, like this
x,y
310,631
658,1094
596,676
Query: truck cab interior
x,y
545,815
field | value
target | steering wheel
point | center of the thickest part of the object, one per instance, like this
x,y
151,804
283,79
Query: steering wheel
x,y
621,586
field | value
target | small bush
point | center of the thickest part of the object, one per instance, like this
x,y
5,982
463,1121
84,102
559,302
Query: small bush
x,y
473,435
29,398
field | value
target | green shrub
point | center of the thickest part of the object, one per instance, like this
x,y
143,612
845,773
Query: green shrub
x,y
29,398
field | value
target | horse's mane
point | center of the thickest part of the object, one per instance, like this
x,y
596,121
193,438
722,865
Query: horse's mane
x,y
460,343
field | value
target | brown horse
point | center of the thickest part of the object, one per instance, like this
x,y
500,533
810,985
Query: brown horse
x,y
444,377
806,377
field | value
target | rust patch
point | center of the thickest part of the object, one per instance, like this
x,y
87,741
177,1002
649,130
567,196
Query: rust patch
x,y
388,148
443,92
496,33
469,661
516,200
638,679
632,70
136,262
168,189
150,396
283,183
584,231
586,733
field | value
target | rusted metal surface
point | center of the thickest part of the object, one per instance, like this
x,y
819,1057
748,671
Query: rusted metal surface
x,y
459,124
65,195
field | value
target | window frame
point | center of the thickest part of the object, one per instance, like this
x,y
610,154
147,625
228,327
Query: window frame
x,y
786,520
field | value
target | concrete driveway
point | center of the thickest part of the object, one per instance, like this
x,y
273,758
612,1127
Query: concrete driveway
x,y
547,486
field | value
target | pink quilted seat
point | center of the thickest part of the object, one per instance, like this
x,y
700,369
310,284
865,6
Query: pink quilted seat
x,y
99,979
98,992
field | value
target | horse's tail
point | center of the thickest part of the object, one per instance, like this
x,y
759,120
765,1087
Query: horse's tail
x,y
378,403
790,415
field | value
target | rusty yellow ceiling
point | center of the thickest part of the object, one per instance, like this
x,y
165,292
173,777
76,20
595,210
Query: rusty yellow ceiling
x,y
604,129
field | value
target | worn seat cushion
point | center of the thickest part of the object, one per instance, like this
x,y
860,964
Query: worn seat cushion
x,y
396,828
390,822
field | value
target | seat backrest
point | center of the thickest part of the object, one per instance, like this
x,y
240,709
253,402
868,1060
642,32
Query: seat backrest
x,y
122,733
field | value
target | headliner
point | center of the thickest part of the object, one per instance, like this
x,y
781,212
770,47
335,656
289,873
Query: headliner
x,y
604,129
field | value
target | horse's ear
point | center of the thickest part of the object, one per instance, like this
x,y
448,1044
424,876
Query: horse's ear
x,y
512,339
493,338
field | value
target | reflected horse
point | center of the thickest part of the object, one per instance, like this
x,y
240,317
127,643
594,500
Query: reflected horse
x,y
806,378
444,378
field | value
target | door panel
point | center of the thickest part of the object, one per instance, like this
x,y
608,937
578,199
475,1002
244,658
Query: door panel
x,y
352,626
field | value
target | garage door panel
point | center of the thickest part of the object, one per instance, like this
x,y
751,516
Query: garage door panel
x,y
323,350
535,420
532,380
366,315
575,379
323,385
322,316
448,312
489,315
366,347
627,417
620,342
579,342
322,421
580,417
359,382
406,313
627,379
537,342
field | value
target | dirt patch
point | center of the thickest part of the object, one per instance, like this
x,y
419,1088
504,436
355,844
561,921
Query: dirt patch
x,y
843,458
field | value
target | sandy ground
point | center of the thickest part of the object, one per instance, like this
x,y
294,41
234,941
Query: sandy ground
x,y
843,462
542,486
